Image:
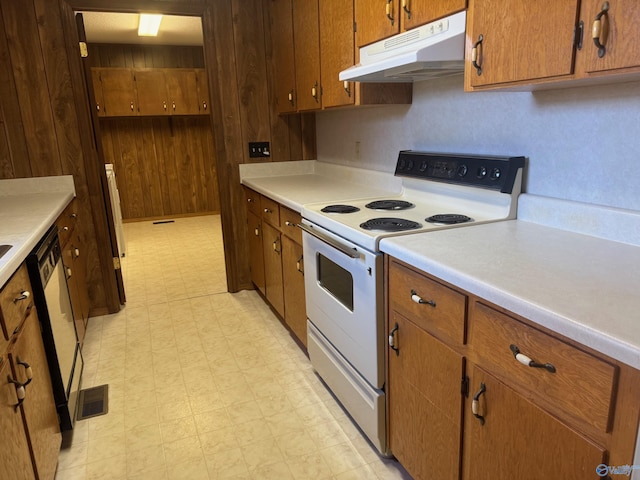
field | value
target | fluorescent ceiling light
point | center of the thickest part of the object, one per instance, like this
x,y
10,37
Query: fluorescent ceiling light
x,y
149,25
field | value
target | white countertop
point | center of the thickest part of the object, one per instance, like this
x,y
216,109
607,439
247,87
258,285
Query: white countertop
x,y
314,182
28,207
580,286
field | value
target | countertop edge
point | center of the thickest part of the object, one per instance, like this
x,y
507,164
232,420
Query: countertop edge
x,y
18,253
537,313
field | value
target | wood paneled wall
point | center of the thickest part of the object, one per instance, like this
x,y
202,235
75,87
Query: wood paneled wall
x,y
43,117
164,166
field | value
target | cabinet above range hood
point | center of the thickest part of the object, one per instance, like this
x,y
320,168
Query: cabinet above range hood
x,y
430,51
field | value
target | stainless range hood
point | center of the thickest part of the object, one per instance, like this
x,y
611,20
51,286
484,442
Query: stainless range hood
x,y
432,50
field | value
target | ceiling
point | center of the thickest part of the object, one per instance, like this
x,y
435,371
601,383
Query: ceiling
x,y
105,27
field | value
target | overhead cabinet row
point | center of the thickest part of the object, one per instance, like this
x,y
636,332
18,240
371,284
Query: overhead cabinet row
x,y
513,43
311,42
123,92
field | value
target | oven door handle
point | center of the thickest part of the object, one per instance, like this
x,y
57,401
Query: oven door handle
x,y
351,252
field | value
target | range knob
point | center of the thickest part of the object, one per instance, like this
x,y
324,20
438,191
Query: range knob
x,y
482,172
410,165
495,174
401,164
423,166
462,170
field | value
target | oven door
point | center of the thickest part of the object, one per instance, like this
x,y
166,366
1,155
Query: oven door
x,y
343,287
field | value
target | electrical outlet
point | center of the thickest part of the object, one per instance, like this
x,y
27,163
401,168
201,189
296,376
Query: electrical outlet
x,y
259,149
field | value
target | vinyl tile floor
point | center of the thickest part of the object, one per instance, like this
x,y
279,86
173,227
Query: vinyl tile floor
x,y
204,384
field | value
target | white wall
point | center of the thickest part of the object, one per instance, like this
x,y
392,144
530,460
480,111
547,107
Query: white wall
x,y
583,143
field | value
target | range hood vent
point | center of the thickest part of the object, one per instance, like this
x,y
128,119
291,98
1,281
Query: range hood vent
x,y
431,51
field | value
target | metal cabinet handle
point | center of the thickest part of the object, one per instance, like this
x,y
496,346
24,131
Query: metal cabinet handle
x,y
27,371
476,58
475,405
527,361
68,272
164,105
76,252
300,264
289,224
290,97
173,104
267,210
131,105
250,200
276,245
392,343
406,8
389,11
24,294
597,32
256,231
204,105
347,88
314,91
418,299
65,229
73,215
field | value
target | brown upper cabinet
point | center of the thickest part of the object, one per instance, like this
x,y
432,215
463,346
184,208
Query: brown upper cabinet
x,y
306,35
378,19
311,45
284,82
117,90
548,42
150,91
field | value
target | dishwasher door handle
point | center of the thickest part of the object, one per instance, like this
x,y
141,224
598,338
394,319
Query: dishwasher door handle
x,y
350,252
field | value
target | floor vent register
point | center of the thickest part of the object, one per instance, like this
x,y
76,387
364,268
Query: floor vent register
x,y
93,402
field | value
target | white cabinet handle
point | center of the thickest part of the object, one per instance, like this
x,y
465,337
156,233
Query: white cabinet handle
x,y
418,299
528,362
24,294
392,337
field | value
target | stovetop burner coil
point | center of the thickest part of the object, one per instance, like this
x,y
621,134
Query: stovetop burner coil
x,y
340,209
389,205
387,224
449,218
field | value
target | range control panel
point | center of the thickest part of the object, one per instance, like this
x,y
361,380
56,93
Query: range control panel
x,y
484,171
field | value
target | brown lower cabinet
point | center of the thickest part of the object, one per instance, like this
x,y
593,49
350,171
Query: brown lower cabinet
x,y
276,260
29,426
463,406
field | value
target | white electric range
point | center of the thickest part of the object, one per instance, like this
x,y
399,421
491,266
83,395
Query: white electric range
x,y
344,267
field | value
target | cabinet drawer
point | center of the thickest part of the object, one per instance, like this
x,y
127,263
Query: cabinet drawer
x,y
253,201
290,220
442,312
15,300
582,385
67,222
271,211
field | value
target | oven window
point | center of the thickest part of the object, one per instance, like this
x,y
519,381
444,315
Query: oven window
x,y
336,280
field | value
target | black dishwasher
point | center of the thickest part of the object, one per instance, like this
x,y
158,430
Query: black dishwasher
x,y
51,298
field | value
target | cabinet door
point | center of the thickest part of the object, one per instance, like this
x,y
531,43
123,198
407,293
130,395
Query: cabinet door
x,y
619,35
306,31
39,407
15,461
337,51
272,244
74,263
295,313
97,92
182,92
520,440
376,19
118,91
281,21
418,12
152,92
203,91
521,40
256,253
425,402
